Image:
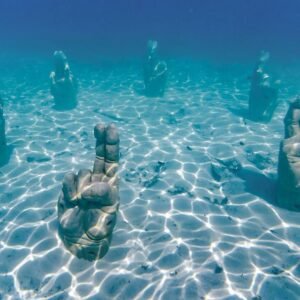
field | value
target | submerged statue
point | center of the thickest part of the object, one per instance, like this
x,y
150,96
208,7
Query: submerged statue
x,y
63,83
289,160
5,149
263,98
89,201
155,72
3,144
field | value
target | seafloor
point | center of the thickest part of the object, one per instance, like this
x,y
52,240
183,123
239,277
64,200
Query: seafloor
x,y
184,230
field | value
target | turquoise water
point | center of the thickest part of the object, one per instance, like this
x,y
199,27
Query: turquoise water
x,y
183,230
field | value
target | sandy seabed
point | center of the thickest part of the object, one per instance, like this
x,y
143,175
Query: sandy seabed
x,y
184,230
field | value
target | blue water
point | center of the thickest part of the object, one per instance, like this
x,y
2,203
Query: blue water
x,y
183,230
220,28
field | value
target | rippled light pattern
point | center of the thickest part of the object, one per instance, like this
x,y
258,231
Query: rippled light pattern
x,y
182,232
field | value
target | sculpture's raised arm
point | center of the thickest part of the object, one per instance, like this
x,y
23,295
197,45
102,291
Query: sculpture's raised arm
x,y
88,204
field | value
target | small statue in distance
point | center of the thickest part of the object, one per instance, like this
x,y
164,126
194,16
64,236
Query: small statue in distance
x,y
4,149
155,72
3,144
63,85
263,98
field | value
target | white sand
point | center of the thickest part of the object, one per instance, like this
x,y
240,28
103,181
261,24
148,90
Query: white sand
x,y
171,240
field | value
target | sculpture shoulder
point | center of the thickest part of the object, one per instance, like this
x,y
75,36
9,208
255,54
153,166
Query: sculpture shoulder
x,y
52,75
295,104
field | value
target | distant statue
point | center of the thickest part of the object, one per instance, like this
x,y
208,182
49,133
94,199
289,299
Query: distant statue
x,y
89,201
5,149
3,144
155,72
63,83
263,98
289,160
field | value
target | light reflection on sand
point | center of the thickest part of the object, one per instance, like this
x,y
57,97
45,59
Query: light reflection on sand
x,y
175,238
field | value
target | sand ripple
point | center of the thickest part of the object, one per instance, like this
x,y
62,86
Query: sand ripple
x,y
182,233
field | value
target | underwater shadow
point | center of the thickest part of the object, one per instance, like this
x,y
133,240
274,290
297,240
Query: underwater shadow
x,y
141,90
243,113
240,112
258,184
65,106
262,186
5,157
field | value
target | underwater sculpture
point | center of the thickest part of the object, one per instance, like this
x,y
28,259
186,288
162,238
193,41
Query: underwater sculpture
x,y
289,160
155,72
5,149
89,201
263,93
2,130
63,83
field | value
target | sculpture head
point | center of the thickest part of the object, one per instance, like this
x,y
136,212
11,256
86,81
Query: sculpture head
x,y
259,71
264,57
152,47
60,61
